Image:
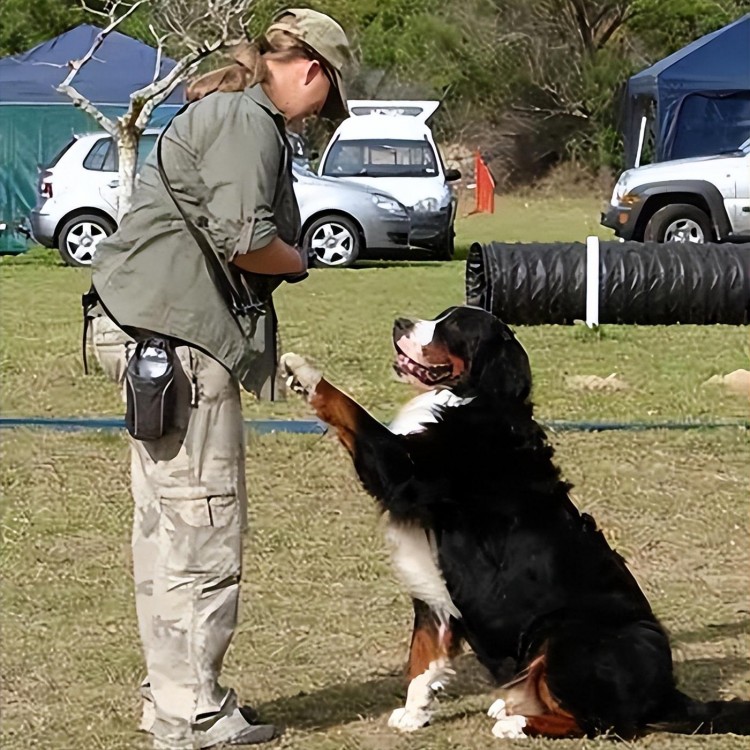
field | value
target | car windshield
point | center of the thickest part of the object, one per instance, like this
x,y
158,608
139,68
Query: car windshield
x,y
741,149
381,158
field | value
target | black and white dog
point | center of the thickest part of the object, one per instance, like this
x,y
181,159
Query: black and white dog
x,y
493,552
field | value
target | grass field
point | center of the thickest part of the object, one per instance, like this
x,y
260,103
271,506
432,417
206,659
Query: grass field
x,y
324,628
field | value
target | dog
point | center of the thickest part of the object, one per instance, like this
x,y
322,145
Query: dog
x,y
493,552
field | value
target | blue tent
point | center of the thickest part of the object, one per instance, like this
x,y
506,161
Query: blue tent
x,y
698,98
36,120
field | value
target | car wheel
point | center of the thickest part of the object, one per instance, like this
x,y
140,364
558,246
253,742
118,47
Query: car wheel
x,y
80,236
332,241
681,222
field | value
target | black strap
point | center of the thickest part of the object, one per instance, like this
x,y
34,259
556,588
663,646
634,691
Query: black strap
x,y
238,304
89,300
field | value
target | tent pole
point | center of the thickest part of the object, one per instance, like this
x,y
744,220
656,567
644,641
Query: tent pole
x,y
641,137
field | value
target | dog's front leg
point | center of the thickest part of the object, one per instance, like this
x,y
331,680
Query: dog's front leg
x,y
379,457
433,644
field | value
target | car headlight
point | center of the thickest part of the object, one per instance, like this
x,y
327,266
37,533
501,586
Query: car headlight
x,y
621,195
386,203
620,189
427,205
623,198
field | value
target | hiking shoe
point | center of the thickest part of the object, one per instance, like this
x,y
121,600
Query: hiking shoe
x,y
241,727
255,734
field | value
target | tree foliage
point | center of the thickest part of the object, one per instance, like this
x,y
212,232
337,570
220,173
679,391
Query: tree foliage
x,y
26,23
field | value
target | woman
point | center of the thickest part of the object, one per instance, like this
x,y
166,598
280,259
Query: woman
x,y
223,186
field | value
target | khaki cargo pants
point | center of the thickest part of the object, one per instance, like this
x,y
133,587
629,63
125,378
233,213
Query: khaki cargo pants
x,y
190,509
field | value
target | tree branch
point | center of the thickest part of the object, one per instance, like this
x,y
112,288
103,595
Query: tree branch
x,y
582,23
84,104
76,65
66,86
604,36
156,92
159,44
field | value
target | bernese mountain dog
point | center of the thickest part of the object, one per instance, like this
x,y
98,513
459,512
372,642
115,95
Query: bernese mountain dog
x,y
493,552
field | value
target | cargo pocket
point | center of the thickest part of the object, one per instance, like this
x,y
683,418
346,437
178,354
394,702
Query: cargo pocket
x,y
202,533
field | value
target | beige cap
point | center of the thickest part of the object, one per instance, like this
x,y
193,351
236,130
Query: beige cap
x,y
327,39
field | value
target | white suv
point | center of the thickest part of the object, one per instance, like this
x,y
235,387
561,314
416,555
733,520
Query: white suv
x,y
703,199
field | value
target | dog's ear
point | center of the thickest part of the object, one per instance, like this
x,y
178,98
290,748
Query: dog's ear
x,y
501,368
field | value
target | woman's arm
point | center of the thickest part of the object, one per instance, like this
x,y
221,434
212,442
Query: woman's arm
x,y
240,158
275,258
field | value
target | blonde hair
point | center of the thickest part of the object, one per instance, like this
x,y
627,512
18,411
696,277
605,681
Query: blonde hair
x,y
250,65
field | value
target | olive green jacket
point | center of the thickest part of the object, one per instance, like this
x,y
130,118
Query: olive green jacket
x,y
227,160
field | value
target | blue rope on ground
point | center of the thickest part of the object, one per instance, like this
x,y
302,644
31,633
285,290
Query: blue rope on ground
x,y
73,424
316,427
557,425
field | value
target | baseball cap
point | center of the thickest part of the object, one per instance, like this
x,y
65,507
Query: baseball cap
x,y
328,41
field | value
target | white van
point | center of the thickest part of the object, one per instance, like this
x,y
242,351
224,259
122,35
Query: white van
x,y
387,145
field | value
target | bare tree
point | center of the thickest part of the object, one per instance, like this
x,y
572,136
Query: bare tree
x,y
196,28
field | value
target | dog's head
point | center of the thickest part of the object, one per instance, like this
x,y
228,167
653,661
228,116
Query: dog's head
x,y
464,348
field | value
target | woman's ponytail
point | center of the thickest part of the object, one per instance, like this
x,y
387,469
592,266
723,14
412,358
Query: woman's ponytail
x,y
248,69
249,65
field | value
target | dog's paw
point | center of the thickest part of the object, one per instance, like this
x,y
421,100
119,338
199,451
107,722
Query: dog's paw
x,y
408,721
510,727
301,376
497,709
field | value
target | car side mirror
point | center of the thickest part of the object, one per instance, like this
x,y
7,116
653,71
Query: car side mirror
x,y
451,175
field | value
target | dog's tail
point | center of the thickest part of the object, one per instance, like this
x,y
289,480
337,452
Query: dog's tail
x,y
688,716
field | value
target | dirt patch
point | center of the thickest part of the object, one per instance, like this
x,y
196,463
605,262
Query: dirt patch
x,y
737,382
611,383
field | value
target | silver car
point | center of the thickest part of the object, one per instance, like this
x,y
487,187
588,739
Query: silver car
x,y
340,224
77,207
77,203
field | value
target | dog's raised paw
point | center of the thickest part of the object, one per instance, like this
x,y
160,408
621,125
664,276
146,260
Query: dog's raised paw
x,y
497,709
301,376
510,727
408,721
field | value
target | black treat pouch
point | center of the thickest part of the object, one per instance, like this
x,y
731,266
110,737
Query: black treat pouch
x,y
150,389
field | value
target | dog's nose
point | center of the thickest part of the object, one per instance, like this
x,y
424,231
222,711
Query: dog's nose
x,y
402,325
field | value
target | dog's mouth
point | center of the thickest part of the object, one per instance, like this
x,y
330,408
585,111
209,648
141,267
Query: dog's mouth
x,y
425,372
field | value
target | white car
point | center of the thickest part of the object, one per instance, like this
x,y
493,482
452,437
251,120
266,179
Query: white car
x,y
77,207
702,199
388,146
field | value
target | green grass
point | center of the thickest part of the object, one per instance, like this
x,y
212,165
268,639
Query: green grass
x,y
342,318
531,219
324,627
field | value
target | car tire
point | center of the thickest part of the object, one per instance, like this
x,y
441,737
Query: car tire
x,y
447,251
332,241
79,237
680,222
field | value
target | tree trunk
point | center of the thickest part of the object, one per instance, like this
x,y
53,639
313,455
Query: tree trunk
x,y
127,152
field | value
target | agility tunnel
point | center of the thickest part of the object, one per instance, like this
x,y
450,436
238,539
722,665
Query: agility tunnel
x,y
611,282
